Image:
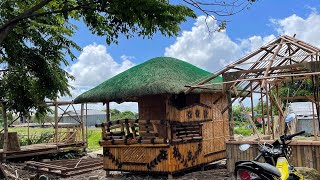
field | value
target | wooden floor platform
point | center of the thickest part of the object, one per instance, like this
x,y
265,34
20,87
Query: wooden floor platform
x,y
41,149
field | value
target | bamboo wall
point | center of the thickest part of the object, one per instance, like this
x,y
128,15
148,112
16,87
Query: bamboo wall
x,y
160,158
304,153
196,133
216,131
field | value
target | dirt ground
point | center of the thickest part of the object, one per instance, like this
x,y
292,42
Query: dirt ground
x,y
216,171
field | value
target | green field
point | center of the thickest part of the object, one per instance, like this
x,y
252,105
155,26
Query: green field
x,y
43,134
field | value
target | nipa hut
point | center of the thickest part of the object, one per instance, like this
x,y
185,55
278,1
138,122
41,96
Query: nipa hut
x,y
175,131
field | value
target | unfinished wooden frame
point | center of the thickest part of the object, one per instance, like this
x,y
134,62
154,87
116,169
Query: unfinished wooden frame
x,y
263,71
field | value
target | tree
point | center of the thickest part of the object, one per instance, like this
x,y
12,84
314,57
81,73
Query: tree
x,y
35,40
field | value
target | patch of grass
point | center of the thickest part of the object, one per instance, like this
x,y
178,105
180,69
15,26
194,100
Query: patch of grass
x,y
94,136
243,131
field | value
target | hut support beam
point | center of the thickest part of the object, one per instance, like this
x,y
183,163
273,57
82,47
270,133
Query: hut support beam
x,y
107,111
262,112
82,126
5,134
230,116
107,120
251,100
267,108
314,122
56,121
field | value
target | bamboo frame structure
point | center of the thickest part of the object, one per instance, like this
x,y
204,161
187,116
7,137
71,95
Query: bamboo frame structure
x,y
283,59
57,144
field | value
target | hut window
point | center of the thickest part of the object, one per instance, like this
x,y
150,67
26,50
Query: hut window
x,y
181,100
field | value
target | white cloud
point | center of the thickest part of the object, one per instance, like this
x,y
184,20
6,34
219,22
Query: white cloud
x,y
214,50
211,50
95,65
305,29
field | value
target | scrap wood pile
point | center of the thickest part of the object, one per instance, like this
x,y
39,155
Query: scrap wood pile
x,y
65,168
13,171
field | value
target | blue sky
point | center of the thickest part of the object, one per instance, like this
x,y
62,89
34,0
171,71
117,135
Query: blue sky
x,y
246,31
254,21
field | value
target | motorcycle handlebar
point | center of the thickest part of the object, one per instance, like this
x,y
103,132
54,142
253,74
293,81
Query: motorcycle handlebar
x,y
258,157
289,137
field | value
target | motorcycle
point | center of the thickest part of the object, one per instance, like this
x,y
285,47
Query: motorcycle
x,y
276,165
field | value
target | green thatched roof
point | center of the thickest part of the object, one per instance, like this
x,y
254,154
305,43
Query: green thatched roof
x,y
161,75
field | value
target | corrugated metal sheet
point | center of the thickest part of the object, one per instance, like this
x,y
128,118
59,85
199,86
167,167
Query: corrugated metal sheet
x,y
94,117
303,111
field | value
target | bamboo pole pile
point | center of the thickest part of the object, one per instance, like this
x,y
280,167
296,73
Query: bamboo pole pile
x,y
185,133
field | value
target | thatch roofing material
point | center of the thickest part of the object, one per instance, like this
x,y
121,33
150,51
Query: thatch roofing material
x,y
161,75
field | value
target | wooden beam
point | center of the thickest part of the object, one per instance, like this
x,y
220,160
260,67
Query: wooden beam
x,y
56,122
108,112
230,117
262,113
315,134
297,98
87,125
82,124
303,45
218,73
251,99
271,62
267,108
271,69
5,133
262,78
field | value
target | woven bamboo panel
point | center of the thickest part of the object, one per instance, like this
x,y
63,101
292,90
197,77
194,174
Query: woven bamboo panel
x,y
219,144
208,146
134,154
218,129
207,130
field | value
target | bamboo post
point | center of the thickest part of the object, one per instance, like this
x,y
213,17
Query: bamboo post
x,y
271,113
103,129
82,123
230,116
56,121
5,133
267,108
107,111
271,62
314,123
262,113
86,125
29,130
317,98
251,99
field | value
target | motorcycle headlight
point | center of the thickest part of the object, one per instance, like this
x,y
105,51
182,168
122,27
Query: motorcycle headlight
x,y
243,174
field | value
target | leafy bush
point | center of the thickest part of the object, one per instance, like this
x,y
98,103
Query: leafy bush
x,y
44,137
243,131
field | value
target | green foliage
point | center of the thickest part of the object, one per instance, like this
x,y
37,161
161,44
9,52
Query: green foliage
x,y
94,136
243,131
116,114
238,114
44,137
35,40
296,88
258,109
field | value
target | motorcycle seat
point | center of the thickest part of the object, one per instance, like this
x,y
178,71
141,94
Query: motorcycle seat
x,y
269,168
